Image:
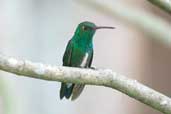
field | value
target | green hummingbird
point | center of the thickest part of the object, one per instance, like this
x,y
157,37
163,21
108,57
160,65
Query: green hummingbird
x,y
79,53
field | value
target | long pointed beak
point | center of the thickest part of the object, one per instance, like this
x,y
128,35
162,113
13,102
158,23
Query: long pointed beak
x,y
103,27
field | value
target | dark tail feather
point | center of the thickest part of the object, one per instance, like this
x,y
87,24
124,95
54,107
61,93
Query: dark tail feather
x,y
78,88
62,90
66,90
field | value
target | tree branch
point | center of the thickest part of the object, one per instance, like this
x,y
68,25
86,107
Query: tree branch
x,y
163,4
99,77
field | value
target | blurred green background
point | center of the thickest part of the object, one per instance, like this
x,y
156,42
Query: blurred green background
x,y
39,30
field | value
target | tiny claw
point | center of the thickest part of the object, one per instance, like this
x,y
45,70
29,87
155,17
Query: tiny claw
x,y
93,68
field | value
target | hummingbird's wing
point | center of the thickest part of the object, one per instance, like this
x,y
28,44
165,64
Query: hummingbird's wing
x,y
68,54
66,88
78,88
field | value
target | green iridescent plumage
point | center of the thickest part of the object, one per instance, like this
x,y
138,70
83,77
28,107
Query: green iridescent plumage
x,y
79,53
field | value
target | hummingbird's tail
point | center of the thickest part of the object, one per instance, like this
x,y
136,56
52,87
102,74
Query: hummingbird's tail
x,y
66,90
78,88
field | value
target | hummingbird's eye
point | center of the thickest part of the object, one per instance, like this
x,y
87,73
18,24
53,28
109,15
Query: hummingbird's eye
x,y
84,28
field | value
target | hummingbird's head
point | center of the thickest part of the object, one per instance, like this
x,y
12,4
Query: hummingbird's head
x,y
87,30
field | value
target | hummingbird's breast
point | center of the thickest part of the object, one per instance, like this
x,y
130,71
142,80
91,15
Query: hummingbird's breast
x,y
84,60
80,56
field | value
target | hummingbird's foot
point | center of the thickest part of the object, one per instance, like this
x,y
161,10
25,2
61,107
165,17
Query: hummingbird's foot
x,y
93,68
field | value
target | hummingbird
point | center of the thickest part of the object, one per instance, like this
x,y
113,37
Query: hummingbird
x,y
79,53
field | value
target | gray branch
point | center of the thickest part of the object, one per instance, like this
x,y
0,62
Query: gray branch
x,y
99,77
163,4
